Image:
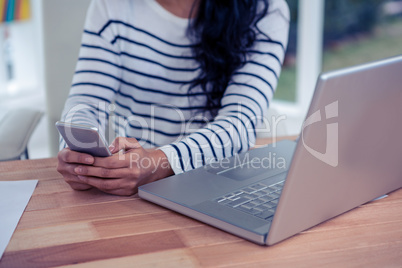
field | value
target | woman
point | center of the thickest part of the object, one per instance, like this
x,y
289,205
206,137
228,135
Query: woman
x,y
187,83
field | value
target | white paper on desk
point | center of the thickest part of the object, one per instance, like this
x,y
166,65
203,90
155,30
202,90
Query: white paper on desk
x,y
14,197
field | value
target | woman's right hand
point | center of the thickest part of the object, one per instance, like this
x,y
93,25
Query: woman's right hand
x,y
67,161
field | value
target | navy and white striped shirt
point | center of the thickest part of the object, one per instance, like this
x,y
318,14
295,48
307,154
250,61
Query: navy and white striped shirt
x,y
136,64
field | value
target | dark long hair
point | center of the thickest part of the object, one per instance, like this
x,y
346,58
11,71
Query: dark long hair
x,y
225,30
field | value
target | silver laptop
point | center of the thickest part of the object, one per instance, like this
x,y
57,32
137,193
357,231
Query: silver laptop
x,y
349,153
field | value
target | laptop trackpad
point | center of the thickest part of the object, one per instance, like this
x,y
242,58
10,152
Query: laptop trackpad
x,y
265,162
250,170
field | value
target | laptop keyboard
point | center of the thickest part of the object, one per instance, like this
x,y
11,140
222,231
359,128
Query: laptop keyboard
x,y
258,199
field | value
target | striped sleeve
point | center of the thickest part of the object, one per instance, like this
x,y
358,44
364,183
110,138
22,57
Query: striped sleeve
x,y
245,100
97,75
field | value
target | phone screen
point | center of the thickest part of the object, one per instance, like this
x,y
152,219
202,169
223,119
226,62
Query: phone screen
x,y
84,139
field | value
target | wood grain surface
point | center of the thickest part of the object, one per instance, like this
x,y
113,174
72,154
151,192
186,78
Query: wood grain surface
x,y
67,228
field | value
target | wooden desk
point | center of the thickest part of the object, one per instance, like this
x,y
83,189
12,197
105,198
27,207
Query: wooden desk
x,y
92,229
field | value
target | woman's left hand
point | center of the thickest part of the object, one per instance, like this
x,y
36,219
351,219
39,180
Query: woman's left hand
x,y
123,173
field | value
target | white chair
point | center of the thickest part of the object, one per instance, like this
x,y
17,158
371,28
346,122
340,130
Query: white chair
x,y
16,128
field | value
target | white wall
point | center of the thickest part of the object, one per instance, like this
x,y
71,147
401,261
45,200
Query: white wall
x,y
63,22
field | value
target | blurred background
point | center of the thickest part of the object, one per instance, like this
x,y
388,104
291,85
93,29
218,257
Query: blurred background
x,y
354,32
39,47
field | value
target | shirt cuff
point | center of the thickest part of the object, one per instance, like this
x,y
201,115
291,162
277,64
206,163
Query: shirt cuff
x,y
173,158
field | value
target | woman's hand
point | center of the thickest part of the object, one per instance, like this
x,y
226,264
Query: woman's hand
x,y
67,162
122,173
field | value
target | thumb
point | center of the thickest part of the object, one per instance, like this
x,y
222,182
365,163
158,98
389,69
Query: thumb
x,y
121,143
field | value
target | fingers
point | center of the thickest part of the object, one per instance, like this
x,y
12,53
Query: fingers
x,y
128,160
121,143
68,156
79,186
75,182
114,161
118,174
67,170
100,172
112,186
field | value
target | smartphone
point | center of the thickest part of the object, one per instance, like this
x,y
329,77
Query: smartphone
x,y
83,139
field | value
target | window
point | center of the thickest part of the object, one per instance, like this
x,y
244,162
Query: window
x,y
299,75
332,35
